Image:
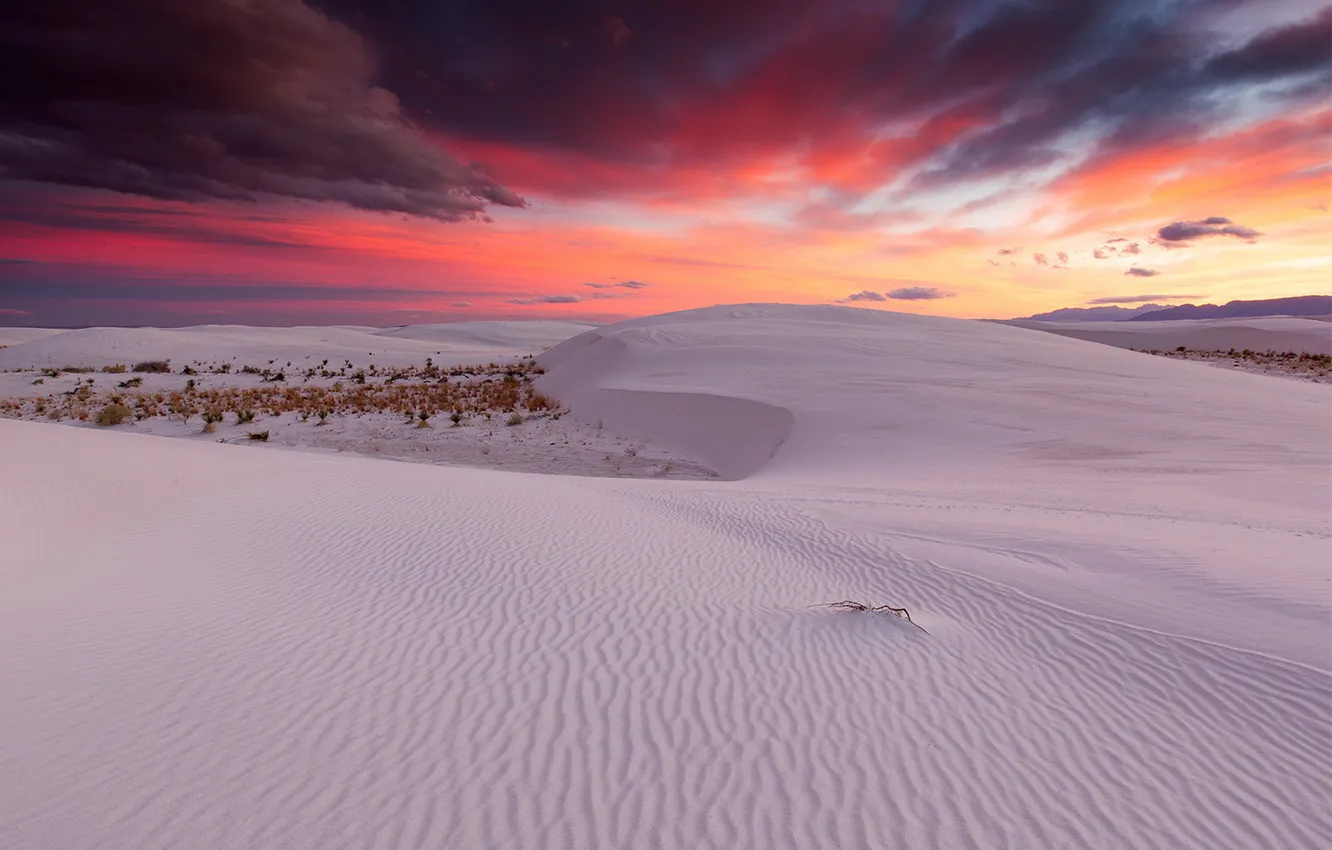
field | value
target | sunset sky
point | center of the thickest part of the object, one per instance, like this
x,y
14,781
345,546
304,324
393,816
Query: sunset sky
x,y
389,162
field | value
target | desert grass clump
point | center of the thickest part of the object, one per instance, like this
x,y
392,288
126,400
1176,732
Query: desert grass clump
x,y
211,418
849,605
515,418
423,419
113,414
258,436
130,383
117,369
244,417
153,366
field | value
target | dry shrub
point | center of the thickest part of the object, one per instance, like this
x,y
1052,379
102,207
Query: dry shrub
x,y
113,414
159,366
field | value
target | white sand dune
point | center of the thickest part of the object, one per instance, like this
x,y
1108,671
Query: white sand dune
x,y
15,336
461,342
224,647
1271,333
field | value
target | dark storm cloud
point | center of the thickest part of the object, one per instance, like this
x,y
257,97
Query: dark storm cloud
x,y
985,86
1289,50
216,99
919,293
322,99
1183,231
1138,271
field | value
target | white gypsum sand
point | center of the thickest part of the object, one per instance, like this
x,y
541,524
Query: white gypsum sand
x,y
1120,562
1264,333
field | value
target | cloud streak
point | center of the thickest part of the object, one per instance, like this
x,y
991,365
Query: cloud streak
x,y
546,299
919,293
1138,299
1138,271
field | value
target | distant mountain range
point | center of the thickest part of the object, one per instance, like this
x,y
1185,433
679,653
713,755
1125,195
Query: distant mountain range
x,y
1302,305
1094,314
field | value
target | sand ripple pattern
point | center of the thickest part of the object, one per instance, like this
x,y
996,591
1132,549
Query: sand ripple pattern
x,y
324,652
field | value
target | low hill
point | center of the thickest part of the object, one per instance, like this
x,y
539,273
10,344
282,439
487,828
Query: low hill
x,y
1109,313
1302,305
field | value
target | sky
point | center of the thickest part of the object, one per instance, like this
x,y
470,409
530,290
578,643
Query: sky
x,y
388,162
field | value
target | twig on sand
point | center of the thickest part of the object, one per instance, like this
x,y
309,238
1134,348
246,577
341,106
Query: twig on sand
x,y
848,605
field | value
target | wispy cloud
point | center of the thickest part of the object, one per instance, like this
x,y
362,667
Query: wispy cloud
x,y
1138,271
1139,299
1184,231
919,293
546,299
624,284
865,295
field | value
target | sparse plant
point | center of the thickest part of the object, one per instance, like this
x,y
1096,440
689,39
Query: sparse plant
x,y
117,369
456,418
244,417
849,605
515,418
113,414
157,366
211,418
130,383
259,436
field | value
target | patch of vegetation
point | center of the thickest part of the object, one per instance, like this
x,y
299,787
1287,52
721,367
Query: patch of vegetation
x,y
482,391
113,414
153,366
259,436
118,369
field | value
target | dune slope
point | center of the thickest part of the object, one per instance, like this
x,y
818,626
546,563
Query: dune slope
x,y
460,341
232,646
